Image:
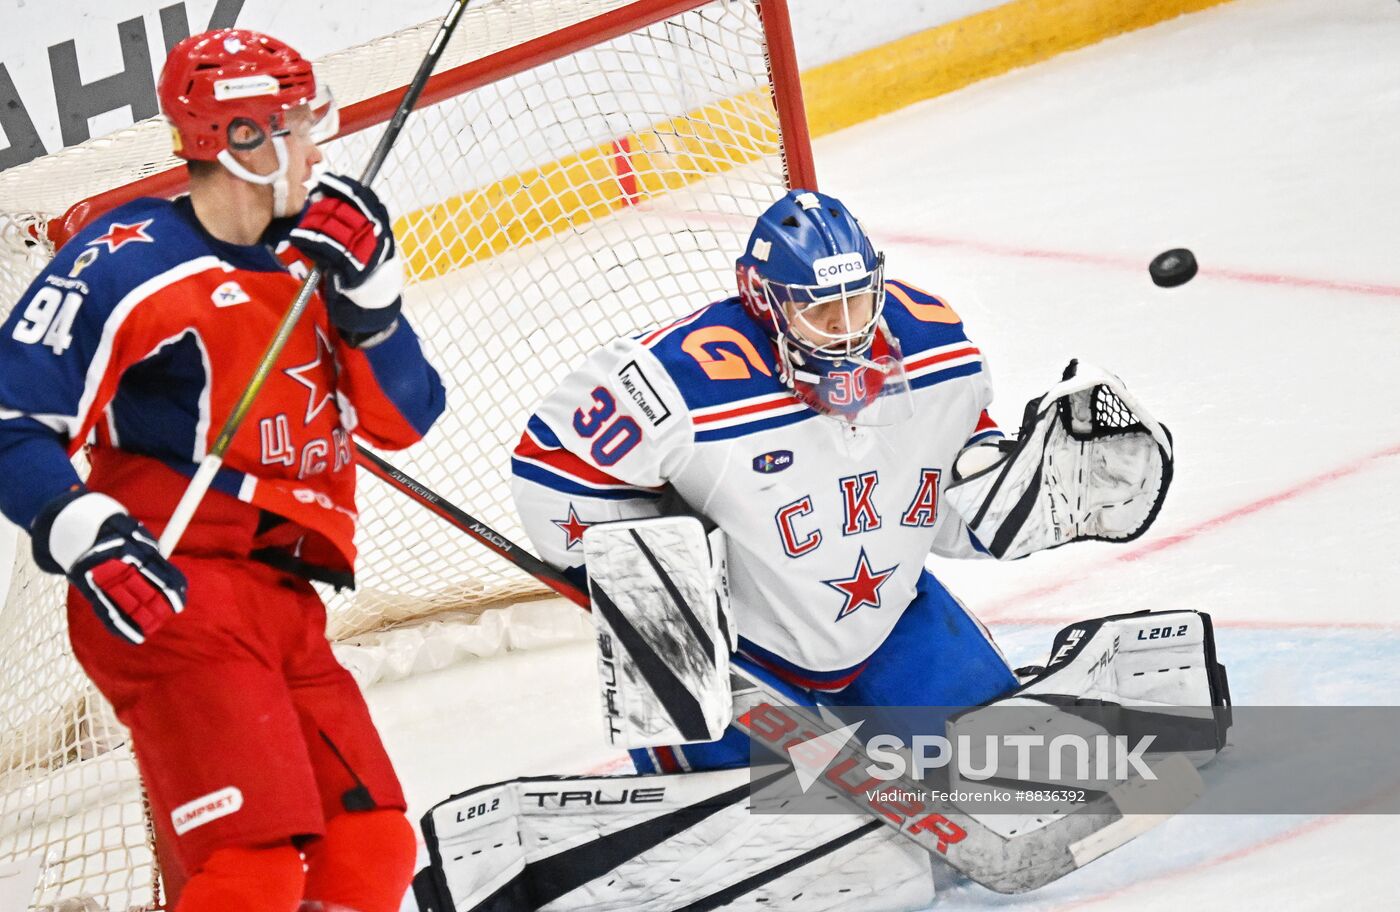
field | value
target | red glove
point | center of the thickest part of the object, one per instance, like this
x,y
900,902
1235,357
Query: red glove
x,y
112,560
346,231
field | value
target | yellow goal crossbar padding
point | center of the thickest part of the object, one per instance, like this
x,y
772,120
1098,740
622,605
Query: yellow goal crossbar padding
x,y
592,183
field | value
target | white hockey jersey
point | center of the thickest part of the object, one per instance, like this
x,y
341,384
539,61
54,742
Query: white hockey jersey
x,y
828,524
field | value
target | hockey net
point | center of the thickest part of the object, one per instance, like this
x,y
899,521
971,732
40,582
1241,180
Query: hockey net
x,y
580,169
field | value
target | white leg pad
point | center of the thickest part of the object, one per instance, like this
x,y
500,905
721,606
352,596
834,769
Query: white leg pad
x,y
659,843
1160,668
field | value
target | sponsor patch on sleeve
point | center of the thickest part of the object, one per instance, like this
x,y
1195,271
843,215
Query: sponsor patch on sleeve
x,y
646,402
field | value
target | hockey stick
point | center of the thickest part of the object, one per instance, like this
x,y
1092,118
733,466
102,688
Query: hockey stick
x,y
1023,858
214,459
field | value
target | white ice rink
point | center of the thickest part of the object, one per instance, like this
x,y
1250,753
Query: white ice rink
x,y
1264,135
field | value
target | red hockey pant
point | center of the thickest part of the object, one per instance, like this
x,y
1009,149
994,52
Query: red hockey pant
x,y
247,730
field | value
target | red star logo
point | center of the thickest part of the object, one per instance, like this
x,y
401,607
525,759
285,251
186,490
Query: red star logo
x,y
862,587
119,234
573,528
317,397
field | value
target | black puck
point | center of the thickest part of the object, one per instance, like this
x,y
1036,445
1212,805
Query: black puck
x,y
1172,268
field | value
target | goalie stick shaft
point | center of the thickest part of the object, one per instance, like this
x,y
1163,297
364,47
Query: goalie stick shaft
x,y
209,466
1029,858
473,527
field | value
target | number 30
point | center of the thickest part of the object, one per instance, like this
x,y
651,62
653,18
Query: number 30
x,y
617,439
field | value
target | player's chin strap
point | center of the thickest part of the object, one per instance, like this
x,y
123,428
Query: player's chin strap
x,y
277,180
325,127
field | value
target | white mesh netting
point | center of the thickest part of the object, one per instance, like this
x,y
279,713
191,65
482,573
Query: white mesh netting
x,y
540,215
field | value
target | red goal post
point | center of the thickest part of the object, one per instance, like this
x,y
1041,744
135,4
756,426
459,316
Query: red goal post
x,y
579,170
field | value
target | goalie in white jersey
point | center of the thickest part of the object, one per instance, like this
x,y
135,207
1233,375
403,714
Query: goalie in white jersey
x,y
814,418
829,427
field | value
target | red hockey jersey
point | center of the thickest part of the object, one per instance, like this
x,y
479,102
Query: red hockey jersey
x,y
141,335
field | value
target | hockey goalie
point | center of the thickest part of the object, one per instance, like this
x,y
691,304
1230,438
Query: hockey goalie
x,y
760,483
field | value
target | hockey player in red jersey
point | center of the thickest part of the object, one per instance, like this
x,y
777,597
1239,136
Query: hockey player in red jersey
x,y
268,782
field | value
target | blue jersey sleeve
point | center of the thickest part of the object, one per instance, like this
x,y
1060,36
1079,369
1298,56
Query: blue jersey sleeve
x,y
396,392
48,345
35,467
60,353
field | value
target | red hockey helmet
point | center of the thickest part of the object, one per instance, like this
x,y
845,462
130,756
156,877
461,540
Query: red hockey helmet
x,y
213,81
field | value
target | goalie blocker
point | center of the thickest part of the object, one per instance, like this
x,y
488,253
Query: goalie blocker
x,y
661,610
1089,463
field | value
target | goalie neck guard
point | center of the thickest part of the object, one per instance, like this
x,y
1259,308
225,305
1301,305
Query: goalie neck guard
x,y
811,278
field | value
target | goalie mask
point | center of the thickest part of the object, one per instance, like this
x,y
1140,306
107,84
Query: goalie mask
x,y
812,279
235,80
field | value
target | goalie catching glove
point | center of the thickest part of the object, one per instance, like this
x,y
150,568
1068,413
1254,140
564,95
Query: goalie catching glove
x,y
1089,463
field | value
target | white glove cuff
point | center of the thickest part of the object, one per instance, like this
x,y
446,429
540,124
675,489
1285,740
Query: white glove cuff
x,y
380,289
74,529
977,459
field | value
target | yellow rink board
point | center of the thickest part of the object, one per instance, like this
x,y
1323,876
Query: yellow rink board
x,y
543,201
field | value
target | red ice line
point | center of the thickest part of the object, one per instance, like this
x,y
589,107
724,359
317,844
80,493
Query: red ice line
x,y
998,610
1308,826
1123,262
1093,259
